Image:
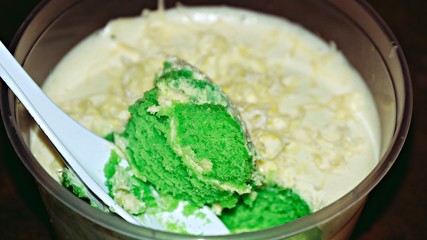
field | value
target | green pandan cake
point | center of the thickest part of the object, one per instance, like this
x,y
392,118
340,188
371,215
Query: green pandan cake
x,y
186,139
268,206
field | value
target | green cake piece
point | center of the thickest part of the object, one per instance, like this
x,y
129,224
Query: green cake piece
x,y
72,182
185,138
134,195
269,206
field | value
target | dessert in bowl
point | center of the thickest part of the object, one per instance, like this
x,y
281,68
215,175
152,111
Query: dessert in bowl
x,y
316,105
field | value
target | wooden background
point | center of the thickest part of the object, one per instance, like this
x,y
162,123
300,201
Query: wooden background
x,y
397,208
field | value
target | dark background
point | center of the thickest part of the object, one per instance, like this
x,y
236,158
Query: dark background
x,y
396,209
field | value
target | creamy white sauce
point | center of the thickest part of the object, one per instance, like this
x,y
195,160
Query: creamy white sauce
x,y
309,112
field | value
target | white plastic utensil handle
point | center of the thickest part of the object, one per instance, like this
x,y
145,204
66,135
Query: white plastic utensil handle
x,y
52,120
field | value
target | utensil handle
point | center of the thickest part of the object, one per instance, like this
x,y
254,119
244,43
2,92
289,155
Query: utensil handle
x,y
47,115
53,120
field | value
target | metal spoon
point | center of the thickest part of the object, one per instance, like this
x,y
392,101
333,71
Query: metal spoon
x,y
86,153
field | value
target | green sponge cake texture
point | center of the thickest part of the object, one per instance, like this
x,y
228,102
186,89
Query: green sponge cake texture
x,y
212,143
270,206
185,139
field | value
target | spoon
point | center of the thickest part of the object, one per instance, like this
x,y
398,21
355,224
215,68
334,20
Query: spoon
x,y
86,153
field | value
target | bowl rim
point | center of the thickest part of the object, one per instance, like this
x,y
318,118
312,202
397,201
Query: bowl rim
x,y
8,105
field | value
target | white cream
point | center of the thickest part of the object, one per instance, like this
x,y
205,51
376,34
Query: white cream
x,y
308,111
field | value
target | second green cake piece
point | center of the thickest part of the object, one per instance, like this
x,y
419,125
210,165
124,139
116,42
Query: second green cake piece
x,y
186,139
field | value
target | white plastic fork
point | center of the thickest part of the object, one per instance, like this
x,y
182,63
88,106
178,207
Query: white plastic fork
x,y
85,152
